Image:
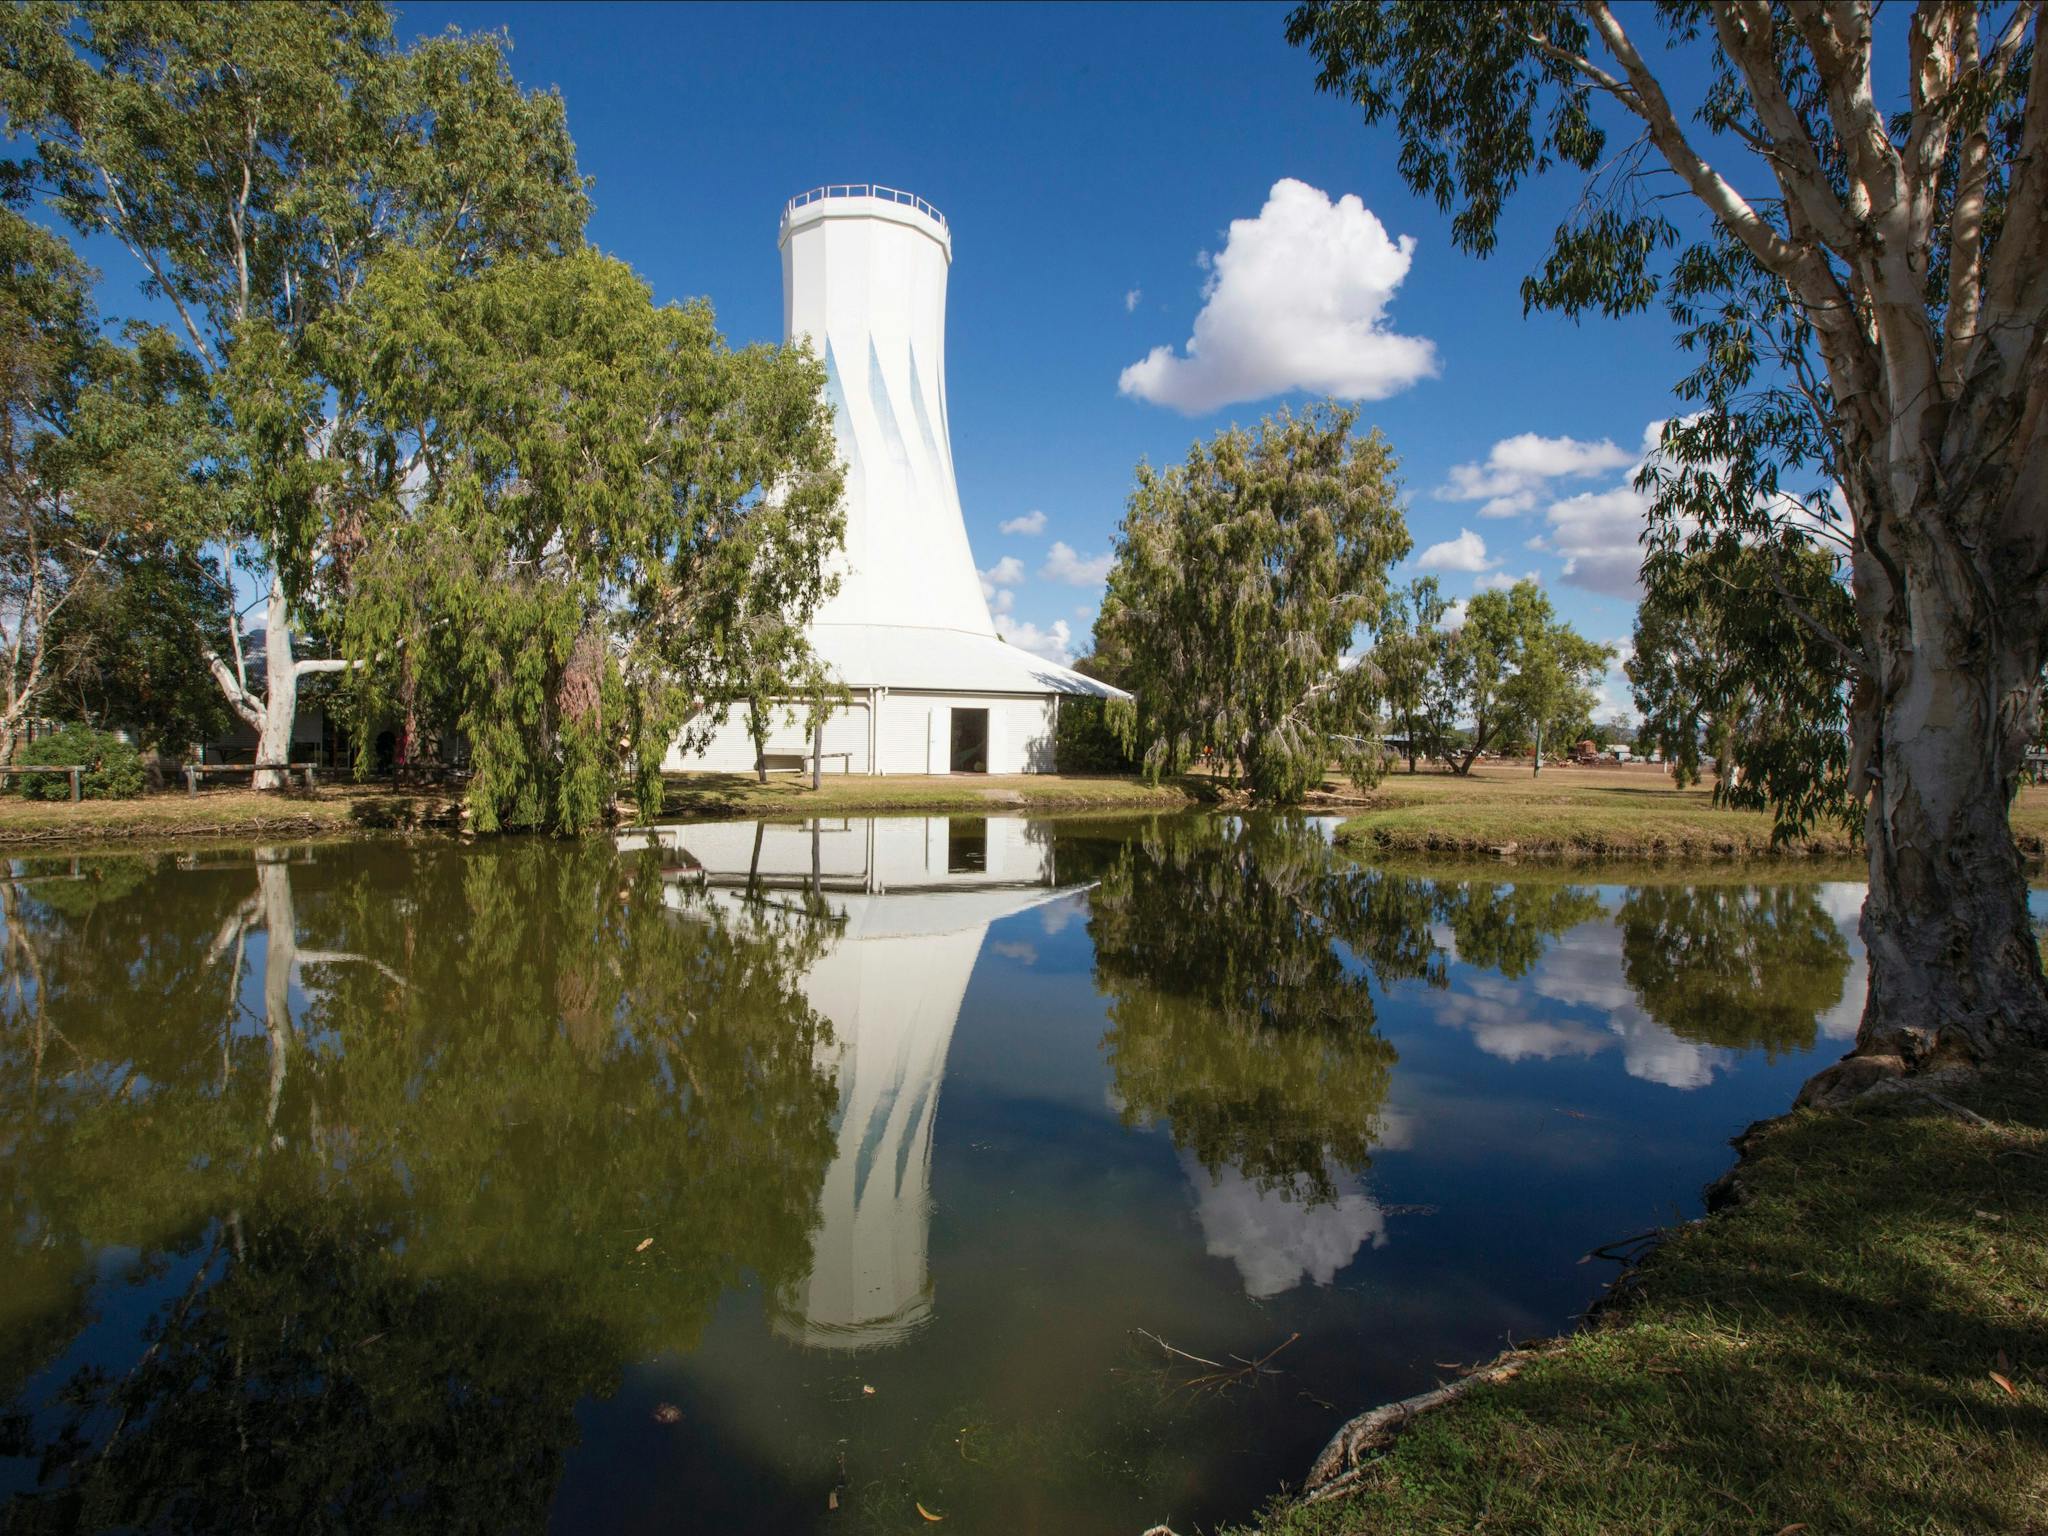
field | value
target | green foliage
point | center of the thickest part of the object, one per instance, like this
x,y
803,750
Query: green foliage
x,y
1779,741
113,768
128,654
1084,741
1731,965
261,163
1479,108
97,504
1241,581
598,518
1517,671
1411,649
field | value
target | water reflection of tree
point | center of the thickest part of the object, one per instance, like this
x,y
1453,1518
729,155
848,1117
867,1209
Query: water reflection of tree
x,y
1239,958
1731,965
388,1213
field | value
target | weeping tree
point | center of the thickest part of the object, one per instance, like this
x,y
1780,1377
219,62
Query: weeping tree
x,y
1242,578
600,526
256,163
1869,319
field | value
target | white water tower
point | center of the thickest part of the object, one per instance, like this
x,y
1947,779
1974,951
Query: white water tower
x,y
935,689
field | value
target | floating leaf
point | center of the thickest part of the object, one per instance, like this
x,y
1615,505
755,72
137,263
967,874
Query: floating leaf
x,y
2010,1389
867,1391
668,1413
643,1245
832,1499
928,1514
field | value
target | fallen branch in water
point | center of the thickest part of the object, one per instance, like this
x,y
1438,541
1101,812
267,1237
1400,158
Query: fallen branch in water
x,y
1219,1377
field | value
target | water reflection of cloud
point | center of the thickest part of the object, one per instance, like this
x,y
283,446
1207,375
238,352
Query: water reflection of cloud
x,y
1582,969
1054,916
1017,950
1275,1237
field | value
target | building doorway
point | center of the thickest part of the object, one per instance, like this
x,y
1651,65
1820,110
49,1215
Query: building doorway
x,y
970,741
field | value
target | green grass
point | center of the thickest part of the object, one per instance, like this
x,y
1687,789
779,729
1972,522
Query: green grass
x,y
236,812
1617,812
704,795
1818,1358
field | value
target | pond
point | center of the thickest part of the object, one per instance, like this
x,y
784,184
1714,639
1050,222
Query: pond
x,y
1057,1176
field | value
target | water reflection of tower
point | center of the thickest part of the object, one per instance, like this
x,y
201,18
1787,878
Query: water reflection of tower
x,y
916,896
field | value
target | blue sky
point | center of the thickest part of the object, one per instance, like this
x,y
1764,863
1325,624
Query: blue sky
x,y
1087,158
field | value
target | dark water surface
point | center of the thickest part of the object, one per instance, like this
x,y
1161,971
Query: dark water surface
x,y
781,1179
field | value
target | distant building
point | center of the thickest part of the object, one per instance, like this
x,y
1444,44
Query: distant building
x,y
909,633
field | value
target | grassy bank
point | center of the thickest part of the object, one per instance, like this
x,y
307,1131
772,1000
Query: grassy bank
x,y
1859,1344
703,795
220,813
345,807
1613,812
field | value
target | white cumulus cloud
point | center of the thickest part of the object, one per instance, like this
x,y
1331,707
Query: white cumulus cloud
x,y
1006,572
1131,298
1500,581
1054,644
1062,563
1517,468
1599,535
1032,522
1467,552
1296,299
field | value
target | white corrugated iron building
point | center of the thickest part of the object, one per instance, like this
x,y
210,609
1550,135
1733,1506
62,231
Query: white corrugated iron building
x,y
934,688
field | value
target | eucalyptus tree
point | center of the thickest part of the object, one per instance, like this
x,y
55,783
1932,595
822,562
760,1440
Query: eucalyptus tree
x,y
1514,666
1871,316
1242,578
1409,650
257,162
95,496
1779,741
599,528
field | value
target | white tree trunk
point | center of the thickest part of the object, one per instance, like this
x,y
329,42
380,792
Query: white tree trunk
x,y
280,689
1955,970
1954,967
280,948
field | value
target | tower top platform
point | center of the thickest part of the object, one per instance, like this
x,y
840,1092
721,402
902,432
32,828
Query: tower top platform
x,y
866,199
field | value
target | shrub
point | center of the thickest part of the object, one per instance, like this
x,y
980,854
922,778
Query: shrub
x,y
1084,743
113,768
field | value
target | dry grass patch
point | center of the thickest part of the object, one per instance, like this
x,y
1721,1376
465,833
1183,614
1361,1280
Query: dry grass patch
x,y
1612,812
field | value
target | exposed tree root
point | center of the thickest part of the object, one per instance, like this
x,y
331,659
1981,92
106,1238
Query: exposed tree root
x,y
1343,1460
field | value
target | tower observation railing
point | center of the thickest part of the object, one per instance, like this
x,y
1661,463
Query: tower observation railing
x,y
863,189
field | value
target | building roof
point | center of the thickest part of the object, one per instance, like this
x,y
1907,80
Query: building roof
x,y
943,661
